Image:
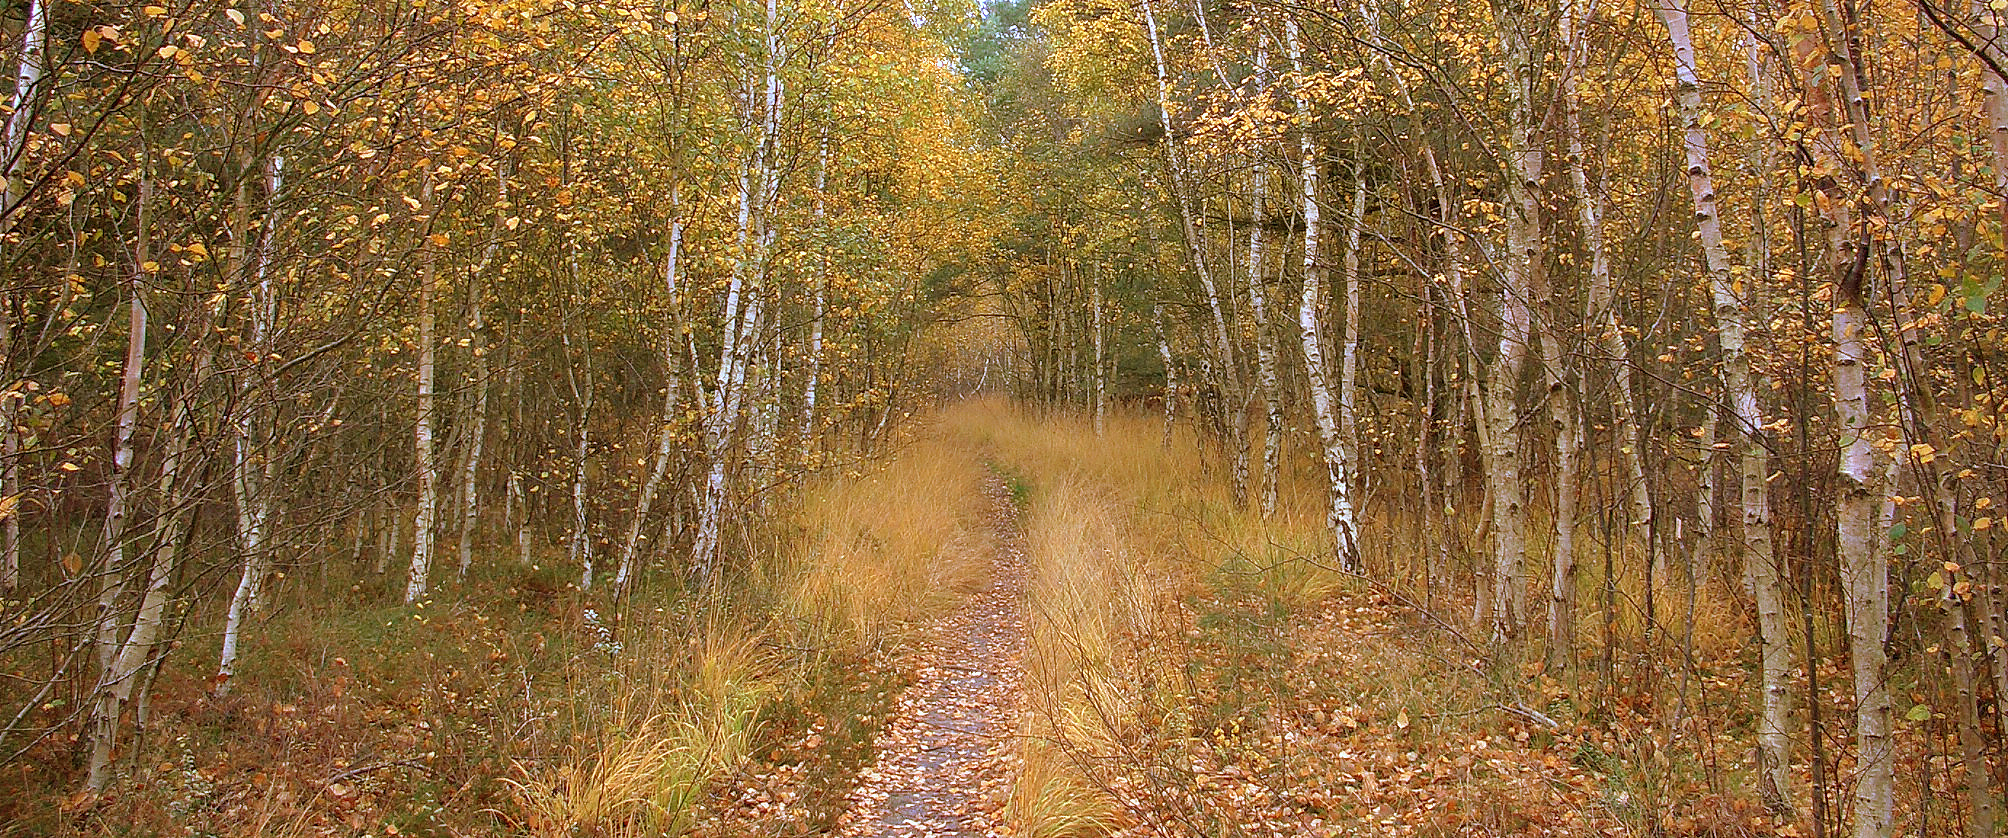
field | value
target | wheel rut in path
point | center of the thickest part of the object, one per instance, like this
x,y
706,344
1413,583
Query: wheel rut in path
x,y
946,759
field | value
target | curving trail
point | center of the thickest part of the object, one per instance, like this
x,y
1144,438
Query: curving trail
x,y
946,760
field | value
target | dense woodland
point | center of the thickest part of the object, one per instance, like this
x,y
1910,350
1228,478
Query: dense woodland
x,y
1650,355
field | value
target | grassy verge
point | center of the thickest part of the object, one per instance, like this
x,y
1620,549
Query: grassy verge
x,y
516,704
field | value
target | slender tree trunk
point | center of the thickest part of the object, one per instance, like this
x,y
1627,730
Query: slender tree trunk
x,y
1170,371
579,372
811,439
522,519
1562,412
254,468
1740,391
1864,577
1266,383
1228,378
418,584
1349,340
1864,570
1100,380
113,573
1602,317
1502,391
740,325
139,649
1340,518
27,94
667,434
478,351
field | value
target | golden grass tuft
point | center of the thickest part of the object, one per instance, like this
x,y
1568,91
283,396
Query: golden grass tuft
x,y
680,716
889,548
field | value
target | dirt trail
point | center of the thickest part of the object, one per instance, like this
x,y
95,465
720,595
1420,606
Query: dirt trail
x,y
945,761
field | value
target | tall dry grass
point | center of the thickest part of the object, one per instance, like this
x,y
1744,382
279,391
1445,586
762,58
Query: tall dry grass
x,y
1121,530
660,716
679,709
886,550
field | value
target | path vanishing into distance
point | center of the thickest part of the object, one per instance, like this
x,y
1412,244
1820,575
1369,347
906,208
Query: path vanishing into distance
x,y
945,760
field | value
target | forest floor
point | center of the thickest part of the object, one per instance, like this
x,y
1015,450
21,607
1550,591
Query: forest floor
x,y
1011,626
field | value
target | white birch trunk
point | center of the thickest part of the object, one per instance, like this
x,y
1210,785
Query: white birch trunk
x,y
1740,391
418,583
579,372
1864,577
665,443
1502,391
478,351
1562,408
27,87
758,183
811,439
254,467
1349,341
1602,316
137,651
1340,518
112,578
1266,384
1100,381
1194,237
522,512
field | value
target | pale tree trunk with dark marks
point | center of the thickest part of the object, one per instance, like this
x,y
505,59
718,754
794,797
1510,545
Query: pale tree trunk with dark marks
x,y
1227,375
1340,519
669,427
418,583
27,94
1502,388
478,351
113,571
1731,314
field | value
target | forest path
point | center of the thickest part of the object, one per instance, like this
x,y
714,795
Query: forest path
x,y
945,761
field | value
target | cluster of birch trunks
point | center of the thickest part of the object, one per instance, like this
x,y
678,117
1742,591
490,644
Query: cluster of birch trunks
x,y
1713,297
379,295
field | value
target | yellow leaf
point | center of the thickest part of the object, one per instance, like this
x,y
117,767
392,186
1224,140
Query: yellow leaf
x,y
154,11
307,47
167,51
92,38
438,239
1982,523
60,128
235,16
9,505
413,203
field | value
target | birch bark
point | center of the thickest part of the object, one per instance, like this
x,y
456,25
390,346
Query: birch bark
x,y
478,351
27,93
1502,389
1196,247
426,465
113,573
666,435
1864,571
1340,518
1740,391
